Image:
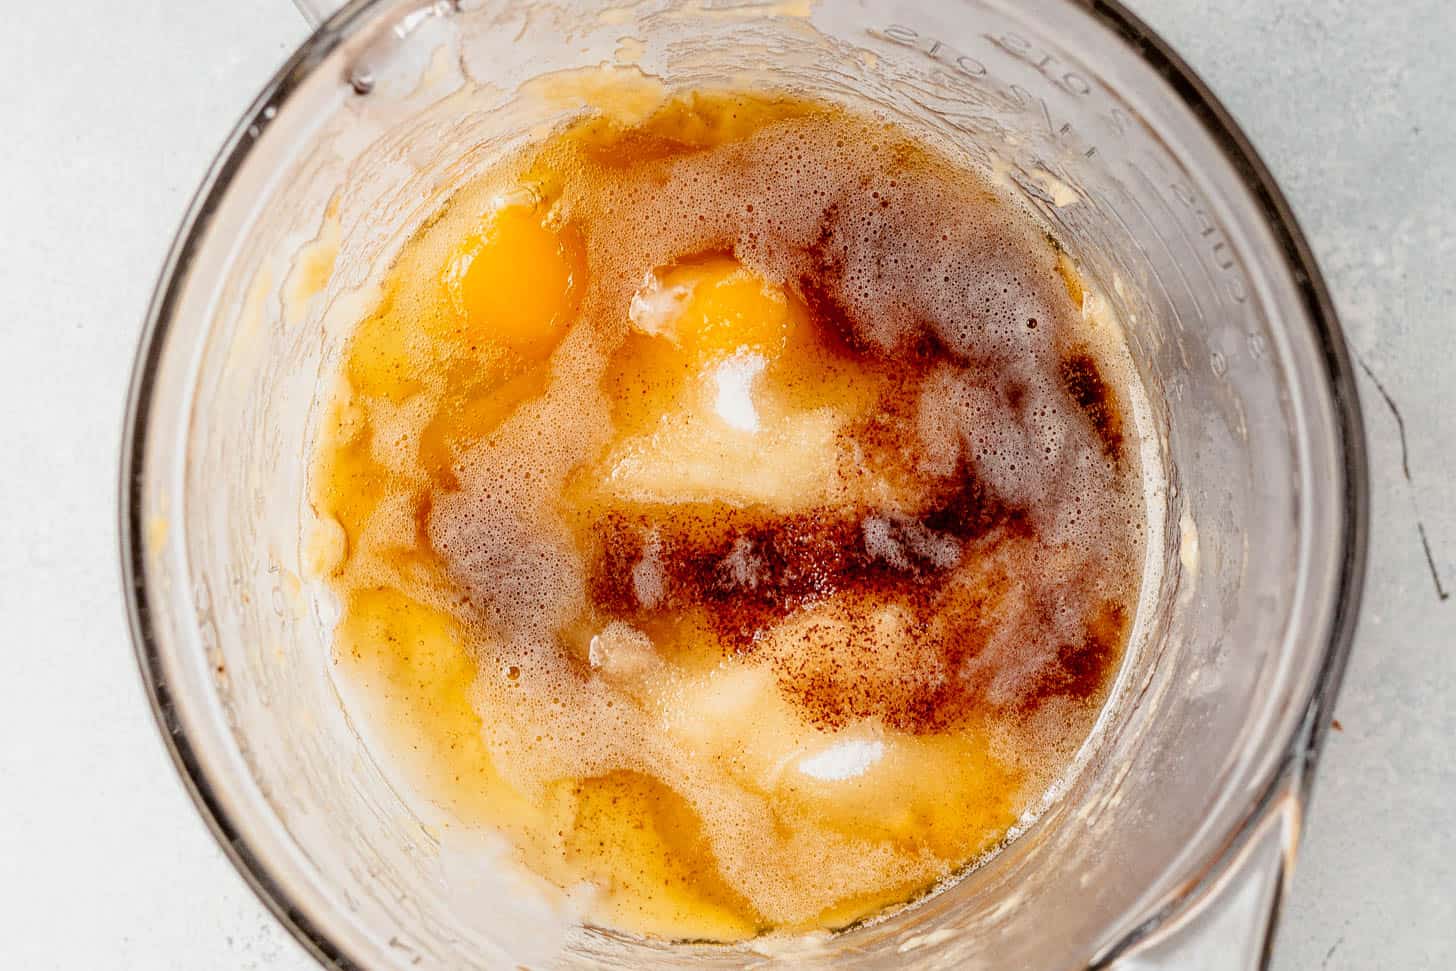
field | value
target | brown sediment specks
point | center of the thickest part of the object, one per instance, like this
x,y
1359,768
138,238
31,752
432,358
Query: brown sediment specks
x,y
753,569
818,288
1082,379
862,613
822,290
1083,667
895,659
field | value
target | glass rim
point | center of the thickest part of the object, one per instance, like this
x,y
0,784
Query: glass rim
x,y
1300,748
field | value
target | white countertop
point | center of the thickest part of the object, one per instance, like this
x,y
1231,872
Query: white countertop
x,y
112,111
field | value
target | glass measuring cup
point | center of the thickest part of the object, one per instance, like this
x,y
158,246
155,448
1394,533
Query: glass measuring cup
x,y
1167,849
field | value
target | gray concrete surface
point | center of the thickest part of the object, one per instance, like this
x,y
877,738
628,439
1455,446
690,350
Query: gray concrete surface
x,y
1353,105
110,114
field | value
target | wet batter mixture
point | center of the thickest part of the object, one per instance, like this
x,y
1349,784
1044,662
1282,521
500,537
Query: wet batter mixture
x,y
730,503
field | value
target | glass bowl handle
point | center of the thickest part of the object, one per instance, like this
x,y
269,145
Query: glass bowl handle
x,y
1228,923
317,11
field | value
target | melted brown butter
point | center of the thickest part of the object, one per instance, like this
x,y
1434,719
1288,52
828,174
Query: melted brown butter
x,y
736,516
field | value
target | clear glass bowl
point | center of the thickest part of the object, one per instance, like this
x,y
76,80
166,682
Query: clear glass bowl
x,y
1167,848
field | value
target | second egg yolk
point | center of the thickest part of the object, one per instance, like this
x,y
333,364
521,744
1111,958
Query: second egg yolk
x,y
715,308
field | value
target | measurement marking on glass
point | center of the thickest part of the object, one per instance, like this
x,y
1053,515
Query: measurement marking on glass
x,y
1167,297
1177,264
1192,243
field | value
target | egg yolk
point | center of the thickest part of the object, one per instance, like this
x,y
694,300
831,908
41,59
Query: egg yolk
x,y
517,282
713,309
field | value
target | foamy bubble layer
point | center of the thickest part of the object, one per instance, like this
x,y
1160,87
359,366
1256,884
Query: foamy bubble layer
x,y
803,577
